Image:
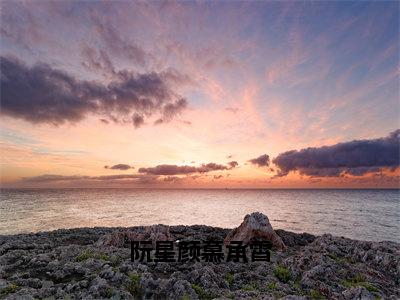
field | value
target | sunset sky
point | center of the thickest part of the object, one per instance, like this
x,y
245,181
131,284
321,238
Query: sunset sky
x,y
200,94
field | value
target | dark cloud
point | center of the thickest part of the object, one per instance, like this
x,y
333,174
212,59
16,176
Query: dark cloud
x,y
168,170
41,94
170,110
261,161
362,170
181,170
356,158
119,167
218,177
204,168
137,120
233,164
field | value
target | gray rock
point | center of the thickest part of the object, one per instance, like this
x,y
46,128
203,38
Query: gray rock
x,y
47,284
123,237
293,297
357,293
98,287
327,264
180,289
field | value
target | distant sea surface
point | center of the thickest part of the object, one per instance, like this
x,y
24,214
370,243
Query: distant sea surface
x,y
358,214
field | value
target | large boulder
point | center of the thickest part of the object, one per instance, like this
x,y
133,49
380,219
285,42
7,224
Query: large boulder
x,y
255,226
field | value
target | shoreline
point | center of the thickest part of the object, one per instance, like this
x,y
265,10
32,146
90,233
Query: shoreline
x,y
79,263
123,228
116,228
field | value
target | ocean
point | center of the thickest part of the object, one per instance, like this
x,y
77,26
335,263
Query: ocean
x,y
358,214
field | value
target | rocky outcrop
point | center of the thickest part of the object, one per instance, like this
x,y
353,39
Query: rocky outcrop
x,y
255,226
122,237
69,264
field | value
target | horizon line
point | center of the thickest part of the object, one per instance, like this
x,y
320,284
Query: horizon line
x,y
161,188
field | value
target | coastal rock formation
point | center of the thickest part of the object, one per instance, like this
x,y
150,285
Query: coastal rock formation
x,y
149,233
255,226
68,264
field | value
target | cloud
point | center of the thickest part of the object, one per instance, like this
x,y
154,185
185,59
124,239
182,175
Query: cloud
x,y
118,45
356,158
168,170
20,26
261,161
204,168
170,110
97,60
233,164
119,167
173,179
116,177
57,178
181,170
41,94
137,120
52,177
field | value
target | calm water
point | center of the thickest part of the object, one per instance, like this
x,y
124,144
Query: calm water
x,y
359,214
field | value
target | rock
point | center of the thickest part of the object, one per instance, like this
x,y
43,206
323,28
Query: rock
x,y
150,233
207,278
107,272
47,284
3,284
291,239
327,266
356,293
182,289
255,226
98,287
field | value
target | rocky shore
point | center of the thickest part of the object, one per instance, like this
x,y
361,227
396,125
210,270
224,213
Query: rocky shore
x,y
89,263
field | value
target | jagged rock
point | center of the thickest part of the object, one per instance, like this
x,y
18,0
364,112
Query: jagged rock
x,y
358,293
255,226
318,265
98,287
291,239
182,289
47,284
151,233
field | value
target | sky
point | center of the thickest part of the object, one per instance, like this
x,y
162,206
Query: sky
x,y
200,94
